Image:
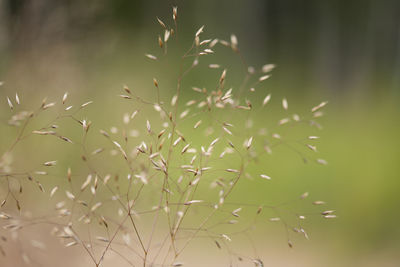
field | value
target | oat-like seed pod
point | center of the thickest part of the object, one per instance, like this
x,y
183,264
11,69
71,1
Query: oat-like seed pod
x,y
10,103
222,78
148,126
266,99
167,34
234,42
249,142
86,104
50,163
285,104
87,182
151,56
265,177
263,78
160,42
65,98
70,195
199,31
175,13
321,105
267,68
17,99
161,23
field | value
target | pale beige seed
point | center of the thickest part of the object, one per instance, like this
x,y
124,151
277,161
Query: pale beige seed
x,y
125,96
167,34
161,23
267,68
222,78
160,42
285,104
150,56
133,115
190,103
44,132
227,131
275,219
234,41
53,191
175,13
97,151
284,121
49,105
214,66
106,178
86,182
70,244
86,104
205,42
95,206
173,100
327,212
313,148
213,43
197,89
197,124
226,237
10,103
263,78
199,31
224,43
276,136
184,113
5,216
249,142
266,99
304,195
321,105
214,142
148,126
318,114
70,195
185,148
17,99
103,239
50,163
264,176
177,141
65,97
192,202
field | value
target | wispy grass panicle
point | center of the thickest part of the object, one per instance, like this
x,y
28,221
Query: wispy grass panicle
x,y
146,190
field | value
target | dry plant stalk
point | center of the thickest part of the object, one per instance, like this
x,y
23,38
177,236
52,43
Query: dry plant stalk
x,y
149,210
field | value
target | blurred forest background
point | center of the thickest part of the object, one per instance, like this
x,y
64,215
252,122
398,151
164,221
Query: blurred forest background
x,y
345,52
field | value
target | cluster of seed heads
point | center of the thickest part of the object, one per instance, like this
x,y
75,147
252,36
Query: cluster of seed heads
x,y
149,209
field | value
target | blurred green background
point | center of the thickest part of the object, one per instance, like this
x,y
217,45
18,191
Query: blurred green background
x,y
345,52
